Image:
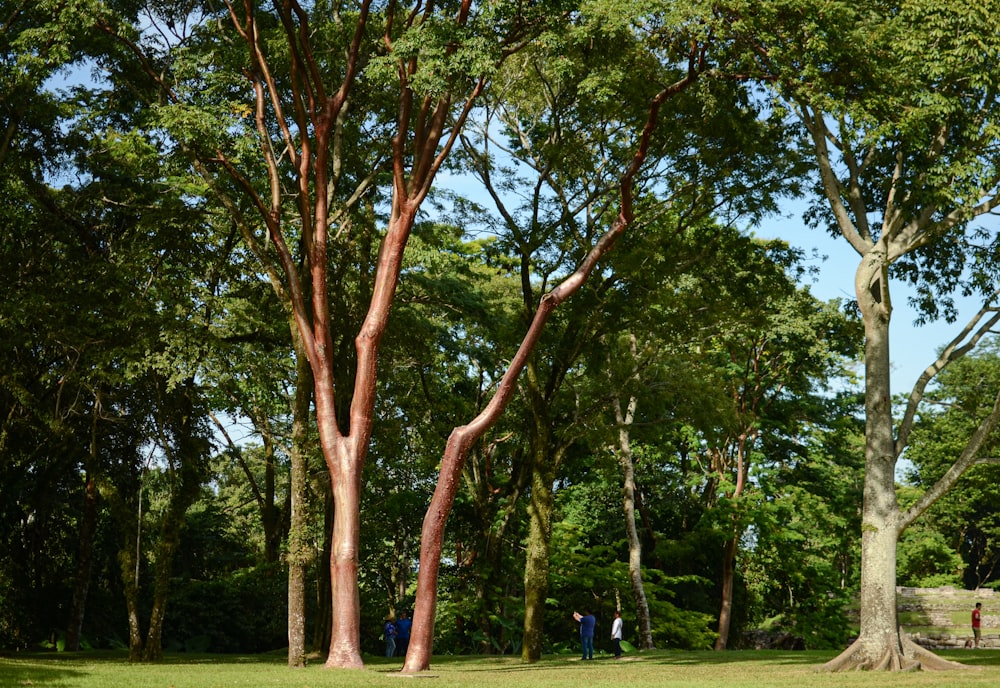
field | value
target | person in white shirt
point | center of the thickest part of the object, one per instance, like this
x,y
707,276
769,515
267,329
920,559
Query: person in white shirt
x,y
616,634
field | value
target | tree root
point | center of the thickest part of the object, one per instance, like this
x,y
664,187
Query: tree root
x,y
905,655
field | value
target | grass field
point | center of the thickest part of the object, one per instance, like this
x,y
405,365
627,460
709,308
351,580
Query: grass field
x,y
750,669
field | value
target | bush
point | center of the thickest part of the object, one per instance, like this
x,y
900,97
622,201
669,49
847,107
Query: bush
x,y
243,612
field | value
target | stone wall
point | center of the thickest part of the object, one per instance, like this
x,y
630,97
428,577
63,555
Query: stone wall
x,y
941,617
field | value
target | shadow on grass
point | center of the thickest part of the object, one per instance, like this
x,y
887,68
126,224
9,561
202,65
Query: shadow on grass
x,y
26,673
981,658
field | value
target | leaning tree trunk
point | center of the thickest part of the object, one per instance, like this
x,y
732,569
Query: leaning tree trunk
x,y
462,437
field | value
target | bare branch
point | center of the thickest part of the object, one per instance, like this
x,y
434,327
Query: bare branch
x,y
965,461
955,349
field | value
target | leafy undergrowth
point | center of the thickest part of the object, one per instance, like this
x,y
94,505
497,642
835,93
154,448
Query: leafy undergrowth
x,y
749,669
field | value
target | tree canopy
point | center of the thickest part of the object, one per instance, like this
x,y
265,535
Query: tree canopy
x,y
337,310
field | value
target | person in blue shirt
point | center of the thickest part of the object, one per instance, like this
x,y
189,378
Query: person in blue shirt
x,y
389,633
587,623
403,634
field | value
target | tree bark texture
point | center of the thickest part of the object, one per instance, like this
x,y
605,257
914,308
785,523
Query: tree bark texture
x,y
879,644
299,554
536,565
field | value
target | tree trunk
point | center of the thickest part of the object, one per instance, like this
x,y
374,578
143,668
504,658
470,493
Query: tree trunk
x,y
728,576
88,530
879,644
462,438
298,530
536,565
418,653
128,562
627,463
324,596
345,639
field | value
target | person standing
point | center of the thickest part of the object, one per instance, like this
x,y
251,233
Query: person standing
x,y
389,633
403,634
977,621
616,634
587,624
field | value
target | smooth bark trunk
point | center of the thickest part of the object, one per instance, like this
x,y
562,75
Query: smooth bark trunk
x,y
462,437
879,644
728,577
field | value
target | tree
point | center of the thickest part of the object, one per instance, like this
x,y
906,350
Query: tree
x,y
570,198
903,136
313,186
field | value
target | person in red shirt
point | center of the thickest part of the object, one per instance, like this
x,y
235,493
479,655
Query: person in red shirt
x,y
977,620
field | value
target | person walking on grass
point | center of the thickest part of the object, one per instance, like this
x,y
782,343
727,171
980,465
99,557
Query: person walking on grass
x,y
977,623
616,634
587,624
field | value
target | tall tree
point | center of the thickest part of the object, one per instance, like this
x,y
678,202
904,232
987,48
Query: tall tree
x,y
904,137
564,202
307,68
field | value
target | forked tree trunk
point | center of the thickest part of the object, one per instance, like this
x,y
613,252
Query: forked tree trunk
x,y
880,643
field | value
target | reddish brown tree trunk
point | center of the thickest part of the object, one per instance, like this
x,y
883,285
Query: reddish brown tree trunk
x,y
728,576
462,438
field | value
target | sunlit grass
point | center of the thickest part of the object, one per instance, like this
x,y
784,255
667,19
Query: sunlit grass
x,y
751,669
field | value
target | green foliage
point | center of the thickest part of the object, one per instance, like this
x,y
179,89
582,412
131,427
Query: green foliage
x,y
586,574
965,520
243,611
924,560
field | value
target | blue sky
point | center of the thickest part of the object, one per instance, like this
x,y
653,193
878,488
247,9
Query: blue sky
x,y
912,347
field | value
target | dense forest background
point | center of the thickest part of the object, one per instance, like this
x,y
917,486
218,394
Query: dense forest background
x,y
693,395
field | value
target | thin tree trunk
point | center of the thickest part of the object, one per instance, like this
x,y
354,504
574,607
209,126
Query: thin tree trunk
x,y
84,564
298,557
88,533
127,559
728,576
627,463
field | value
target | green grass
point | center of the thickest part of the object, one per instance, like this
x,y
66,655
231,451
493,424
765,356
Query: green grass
x,y
750,669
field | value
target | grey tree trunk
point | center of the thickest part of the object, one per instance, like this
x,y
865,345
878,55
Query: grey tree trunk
x,y
627,463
